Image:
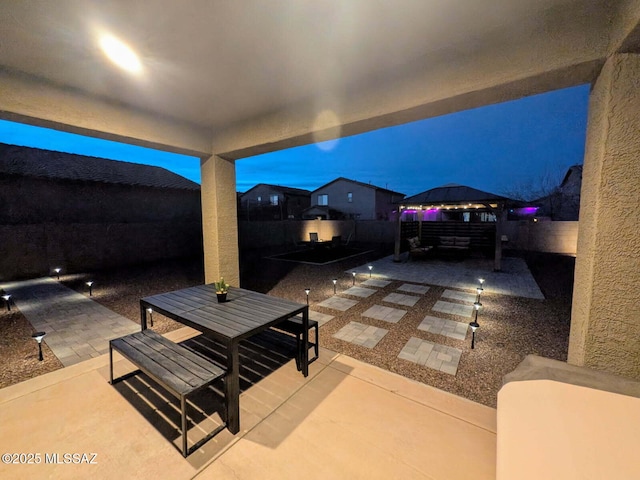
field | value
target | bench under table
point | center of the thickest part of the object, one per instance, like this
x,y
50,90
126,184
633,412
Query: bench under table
x,y
179,370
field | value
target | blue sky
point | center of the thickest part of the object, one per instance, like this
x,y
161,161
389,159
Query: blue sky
x,y
498,148
28,136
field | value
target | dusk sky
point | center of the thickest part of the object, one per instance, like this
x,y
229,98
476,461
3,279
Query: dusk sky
x,y
499,148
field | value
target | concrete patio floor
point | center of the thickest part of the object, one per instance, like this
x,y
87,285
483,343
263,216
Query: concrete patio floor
x,y
346,420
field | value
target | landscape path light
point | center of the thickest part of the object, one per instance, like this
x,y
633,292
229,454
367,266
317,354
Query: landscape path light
x,y
474,324
38,336
150,312
370,268
335,280
90,285
307,290
57,270
354,277
7,298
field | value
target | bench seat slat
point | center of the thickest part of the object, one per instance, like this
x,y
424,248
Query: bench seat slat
x,y
192,362
157,372
294,325
167,359
173,366
158,364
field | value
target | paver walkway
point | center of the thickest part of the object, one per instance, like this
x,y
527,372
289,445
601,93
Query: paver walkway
x,y
321,318
412,288
359,292
461,296
453,308
387,314
338,303
77,328
361,334
441,326
401,299
374,282
514,279
432,355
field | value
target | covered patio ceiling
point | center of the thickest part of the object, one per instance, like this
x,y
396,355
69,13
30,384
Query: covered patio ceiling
x,y
258,76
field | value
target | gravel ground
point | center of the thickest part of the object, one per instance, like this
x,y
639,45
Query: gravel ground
x,y
511,327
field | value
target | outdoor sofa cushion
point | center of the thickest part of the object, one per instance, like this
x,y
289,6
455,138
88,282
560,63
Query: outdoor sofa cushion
x,y
414,242
455,243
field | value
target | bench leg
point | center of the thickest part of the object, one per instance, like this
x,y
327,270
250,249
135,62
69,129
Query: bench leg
x,y
299,351
183,408
317,345
232,389
110,364
304,360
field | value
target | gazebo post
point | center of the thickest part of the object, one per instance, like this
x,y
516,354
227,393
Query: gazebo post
x,y
396,250
497,261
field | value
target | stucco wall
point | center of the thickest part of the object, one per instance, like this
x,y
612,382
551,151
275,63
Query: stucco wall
x,y
83,226
273,234
551,237
34,250
605,325
27,200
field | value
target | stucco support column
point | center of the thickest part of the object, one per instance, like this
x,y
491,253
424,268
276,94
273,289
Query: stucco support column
x,y
605,319
219,220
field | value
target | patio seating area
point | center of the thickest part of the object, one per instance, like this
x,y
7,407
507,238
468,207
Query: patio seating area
x,y
346,398
354,420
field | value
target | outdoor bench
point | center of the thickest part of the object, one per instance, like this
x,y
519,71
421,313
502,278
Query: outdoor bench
x,y
453,244
294,326
180,371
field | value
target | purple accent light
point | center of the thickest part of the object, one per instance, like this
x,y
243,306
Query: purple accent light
x,y
409,211
430,215
526,210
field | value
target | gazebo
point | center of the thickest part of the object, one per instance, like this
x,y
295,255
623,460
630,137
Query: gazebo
x,y
454,209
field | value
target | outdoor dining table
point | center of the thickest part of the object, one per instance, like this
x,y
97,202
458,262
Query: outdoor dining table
x,y
244,314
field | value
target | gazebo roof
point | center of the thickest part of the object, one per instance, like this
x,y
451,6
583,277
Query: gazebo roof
x,y
453,194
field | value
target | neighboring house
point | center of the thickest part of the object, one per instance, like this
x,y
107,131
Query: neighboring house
x,y
273,202
83,212
563,204
351,199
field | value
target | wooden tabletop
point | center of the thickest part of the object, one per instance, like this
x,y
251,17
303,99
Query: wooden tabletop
x,y
243,314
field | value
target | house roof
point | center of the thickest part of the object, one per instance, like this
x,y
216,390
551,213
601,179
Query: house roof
x,y
36,162
453,193
279,188
343,179
574,169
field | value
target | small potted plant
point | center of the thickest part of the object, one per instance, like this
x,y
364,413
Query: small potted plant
x,y
221,290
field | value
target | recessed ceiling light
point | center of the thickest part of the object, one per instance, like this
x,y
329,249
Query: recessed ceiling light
x,y
120,54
